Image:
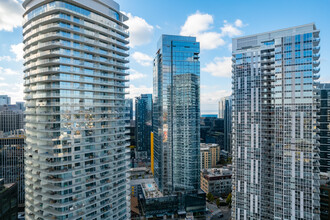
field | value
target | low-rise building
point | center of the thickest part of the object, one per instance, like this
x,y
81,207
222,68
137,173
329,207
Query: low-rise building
x,y
8,200
210,155
140,173
148,202
216,181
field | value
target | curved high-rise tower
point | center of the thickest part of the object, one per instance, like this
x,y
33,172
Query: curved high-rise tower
x,y
75,67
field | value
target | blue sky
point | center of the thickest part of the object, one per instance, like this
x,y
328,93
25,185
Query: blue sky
x,y
213,22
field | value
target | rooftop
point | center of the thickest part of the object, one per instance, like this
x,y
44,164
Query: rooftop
x,y
150,190
217,172
204,146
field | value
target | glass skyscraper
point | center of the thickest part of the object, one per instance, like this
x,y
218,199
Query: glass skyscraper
x,y
176,114
76,158
143,125
225,109
324,127
275,101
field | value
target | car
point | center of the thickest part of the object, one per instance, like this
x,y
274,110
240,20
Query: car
x,y
220,215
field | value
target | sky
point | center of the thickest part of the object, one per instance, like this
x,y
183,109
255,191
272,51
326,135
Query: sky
x,y
213,22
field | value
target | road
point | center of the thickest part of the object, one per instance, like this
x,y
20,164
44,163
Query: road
x,y
214,211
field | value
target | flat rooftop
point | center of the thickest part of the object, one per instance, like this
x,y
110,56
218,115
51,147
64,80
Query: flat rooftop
x,y
150,190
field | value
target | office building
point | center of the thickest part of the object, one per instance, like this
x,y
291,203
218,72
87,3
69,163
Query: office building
x,y
225,108
5,100
20,106
143,121
227,121
8,200
324,127
275,150
221,108
76,139
216,181
176,113
129,108
153,204
12,162
212,130
11,118
210,155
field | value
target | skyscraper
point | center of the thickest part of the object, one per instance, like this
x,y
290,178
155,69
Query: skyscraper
x,y
76,143
11,118
143,121
221,107
129,108
275,151
12,162
176,114
324,127
5,100
227,124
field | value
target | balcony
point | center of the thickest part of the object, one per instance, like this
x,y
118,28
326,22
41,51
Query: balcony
x,y
316,70
316,76
267,54
267,67
316,63
316,56
316,49
316,41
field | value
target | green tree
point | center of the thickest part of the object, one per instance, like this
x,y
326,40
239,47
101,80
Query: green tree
x,y
217,202
228,200
210,197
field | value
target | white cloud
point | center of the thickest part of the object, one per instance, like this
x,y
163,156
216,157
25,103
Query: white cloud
x,y
142,58
17,49
11,12
200,26
140,31
13,90
230,30
212,97
221,66
5,58
8,72
210,40
239,23
137,91
158,27
136,75
230,47
196,24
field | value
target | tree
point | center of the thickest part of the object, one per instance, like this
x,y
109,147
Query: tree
x,y
217,202
210,197
228,200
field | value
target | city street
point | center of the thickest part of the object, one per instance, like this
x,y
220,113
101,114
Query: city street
x,y
214,211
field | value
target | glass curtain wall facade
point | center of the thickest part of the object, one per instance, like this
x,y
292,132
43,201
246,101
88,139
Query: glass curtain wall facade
x,y
12,162
11,118
324,127
275,101
176,114
5,100
76,144
143,121
227,124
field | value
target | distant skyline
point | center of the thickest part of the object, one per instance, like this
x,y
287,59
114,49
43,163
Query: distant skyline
x,y
213,22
